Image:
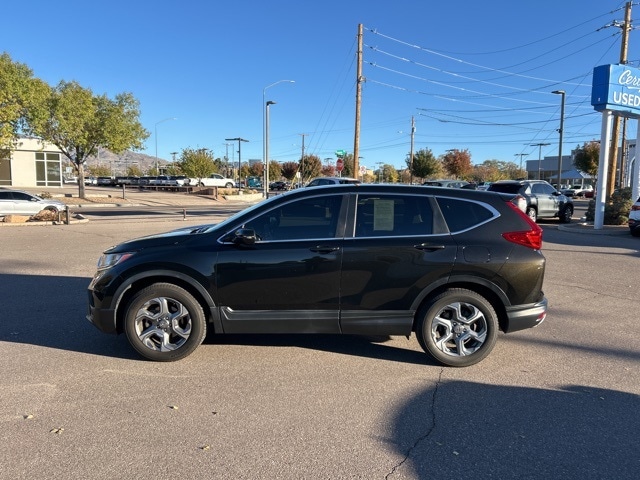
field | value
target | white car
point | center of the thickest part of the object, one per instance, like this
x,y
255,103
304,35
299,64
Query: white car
x,y
634,219
18,202
214,180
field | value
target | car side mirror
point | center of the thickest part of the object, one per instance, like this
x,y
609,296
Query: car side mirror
x,y
244,236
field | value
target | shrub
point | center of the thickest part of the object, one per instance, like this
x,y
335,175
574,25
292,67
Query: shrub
x,y
616,209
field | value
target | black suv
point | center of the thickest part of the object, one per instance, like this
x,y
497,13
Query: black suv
x,y
543,200
454,266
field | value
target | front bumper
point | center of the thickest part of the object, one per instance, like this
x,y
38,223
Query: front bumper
x,y
104,319
526,316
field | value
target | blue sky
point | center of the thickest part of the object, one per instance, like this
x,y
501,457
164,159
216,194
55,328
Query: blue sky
x,y
474,75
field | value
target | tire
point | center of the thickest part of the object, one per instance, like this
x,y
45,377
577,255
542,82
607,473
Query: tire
x,y
566,214
532,214
164,322
459,328
229,185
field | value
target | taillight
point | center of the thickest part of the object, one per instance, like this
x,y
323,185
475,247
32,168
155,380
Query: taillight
x,y
529,238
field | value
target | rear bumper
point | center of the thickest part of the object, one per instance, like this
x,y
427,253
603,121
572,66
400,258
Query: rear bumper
x,y
526,316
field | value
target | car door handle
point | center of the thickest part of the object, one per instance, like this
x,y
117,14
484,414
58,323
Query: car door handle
x,y
430,247
324,249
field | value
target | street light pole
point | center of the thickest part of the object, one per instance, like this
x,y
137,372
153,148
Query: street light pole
x,y
560,130
539,145
239,140
155,130
265,160
266,150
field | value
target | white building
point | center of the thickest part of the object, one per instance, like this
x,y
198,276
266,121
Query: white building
x,y
32,163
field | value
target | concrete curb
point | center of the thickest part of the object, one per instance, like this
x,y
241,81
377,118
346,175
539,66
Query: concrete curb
x,y
588,228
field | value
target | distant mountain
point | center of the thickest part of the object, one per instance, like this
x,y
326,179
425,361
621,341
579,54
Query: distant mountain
x,y
118,163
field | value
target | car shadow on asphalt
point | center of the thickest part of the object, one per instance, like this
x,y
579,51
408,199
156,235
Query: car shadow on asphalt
x,y
56,319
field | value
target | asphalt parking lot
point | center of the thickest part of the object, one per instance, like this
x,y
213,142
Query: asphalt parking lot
x,y
558,401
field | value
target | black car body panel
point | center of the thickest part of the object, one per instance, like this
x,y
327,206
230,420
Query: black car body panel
x,y
356,259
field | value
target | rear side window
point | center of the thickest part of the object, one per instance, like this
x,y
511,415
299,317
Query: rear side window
x,y
393,215
462,215
505,187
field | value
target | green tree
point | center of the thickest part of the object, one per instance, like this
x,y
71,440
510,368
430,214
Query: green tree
x,y
587,158
310,166
457,163
424,164
196,163
79,122
275,171
22,98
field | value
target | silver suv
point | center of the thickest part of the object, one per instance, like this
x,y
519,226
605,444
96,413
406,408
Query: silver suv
x,y
316,182
543,200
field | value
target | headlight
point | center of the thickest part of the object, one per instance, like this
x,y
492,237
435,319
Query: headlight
x,y
108,260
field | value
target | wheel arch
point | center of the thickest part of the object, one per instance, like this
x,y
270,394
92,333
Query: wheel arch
x,y
494,295
137,282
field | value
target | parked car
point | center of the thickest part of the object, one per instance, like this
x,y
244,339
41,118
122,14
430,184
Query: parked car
x,y
483,185
90,180
280,186
126,180
542,199
214,180
19,202
316,182
634,219
105,182
446,183
577,190
452,266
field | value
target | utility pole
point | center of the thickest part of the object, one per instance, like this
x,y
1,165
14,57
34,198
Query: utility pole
x,y
413,132
521,155
615,131
359,80
302,158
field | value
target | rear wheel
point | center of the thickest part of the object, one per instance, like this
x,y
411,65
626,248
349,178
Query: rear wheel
x,y
459,328
532,213
229,185
164,322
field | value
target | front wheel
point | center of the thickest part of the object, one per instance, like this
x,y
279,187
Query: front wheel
x,y
459,328
229,185
164,322
566,214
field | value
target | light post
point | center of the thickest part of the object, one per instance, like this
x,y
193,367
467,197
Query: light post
x,y
539,145
155,133
266,150
239,140
563,93
265,159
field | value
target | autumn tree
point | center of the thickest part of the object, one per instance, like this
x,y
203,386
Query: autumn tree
x,y
289,170
196,163
424,164
587,158
78,122
457,163
21,99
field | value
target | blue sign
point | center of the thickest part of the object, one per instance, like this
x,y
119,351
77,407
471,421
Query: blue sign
x,y
616,88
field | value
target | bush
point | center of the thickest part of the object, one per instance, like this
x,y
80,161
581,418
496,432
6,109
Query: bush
x,y
616,209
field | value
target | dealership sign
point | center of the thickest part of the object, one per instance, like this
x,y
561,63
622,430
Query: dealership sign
x,y
616,88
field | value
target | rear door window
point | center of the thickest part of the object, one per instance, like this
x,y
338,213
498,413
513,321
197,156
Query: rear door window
x,y
393,215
